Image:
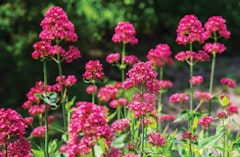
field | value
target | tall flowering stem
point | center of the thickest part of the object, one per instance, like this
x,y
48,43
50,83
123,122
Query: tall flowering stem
x,y
191,64
122,66
46,108
159,127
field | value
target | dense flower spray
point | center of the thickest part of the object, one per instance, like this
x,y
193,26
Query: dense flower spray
x,y
12,134
94,71
88,124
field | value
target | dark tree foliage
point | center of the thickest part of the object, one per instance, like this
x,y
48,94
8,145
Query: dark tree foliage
x,y
155,22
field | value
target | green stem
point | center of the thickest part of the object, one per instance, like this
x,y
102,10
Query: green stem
x,y
46,107
61,96
142,141
159,110
224,140
123,75
190,149
211,81
93,94
191,64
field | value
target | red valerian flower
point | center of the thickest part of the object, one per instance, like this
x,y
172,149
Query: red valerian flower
x,y
156,139
192,56
94,71
216,24
196,80
228,82
39,132
113,58
190,30
125,33
121,124
203,95
56,26
130,60
92,89
107,93
232,109
206,121
189,136
178,97
222,115
167,117
160,55
214,48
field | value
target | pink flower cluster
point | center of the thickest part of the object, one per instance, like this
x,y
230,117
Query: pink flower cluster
x,y
167,118
142,104
188,56
222,115
206,121
94,71
216,24
203,96
118,103
189,136
228,82
165,84
88,124
232,109
130,60
56,25
12,134
113,58
160,55
196,80
190,30
92,89
140,73
156,139
121,125
178,97
107,93
39,132
68,81
131,155
214,48
125,33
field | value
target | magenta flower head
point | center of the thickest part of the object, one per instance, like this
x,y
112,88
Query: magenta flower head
x,y
191,55
113,58
196,80
130,60
222,115
156,139
131,155
203,96
39,132
42,49
206,121
190,30
167,118
12,134
68,81
92,89
232,109
228,82
107,93
178,97
160,55
214,48
140,73
216,24
87,125
125,33
189,136
56,26
94,71
121,125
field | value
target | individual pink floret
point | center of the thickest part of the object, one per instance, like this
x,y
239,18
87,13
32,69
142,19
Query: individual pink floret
x,y
206,121
228,82
178,97
156,139
196,80
125,33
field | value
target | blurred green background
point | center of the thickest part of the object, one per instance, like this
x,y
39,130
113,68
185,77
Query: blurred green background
x,y
155,22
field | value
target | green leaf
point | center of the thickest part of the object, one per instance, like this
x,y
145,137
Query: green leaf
x,y
183,115
97,150
49,98
216,99
236,145
208,142
119,142
111,116
37,153
69,104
